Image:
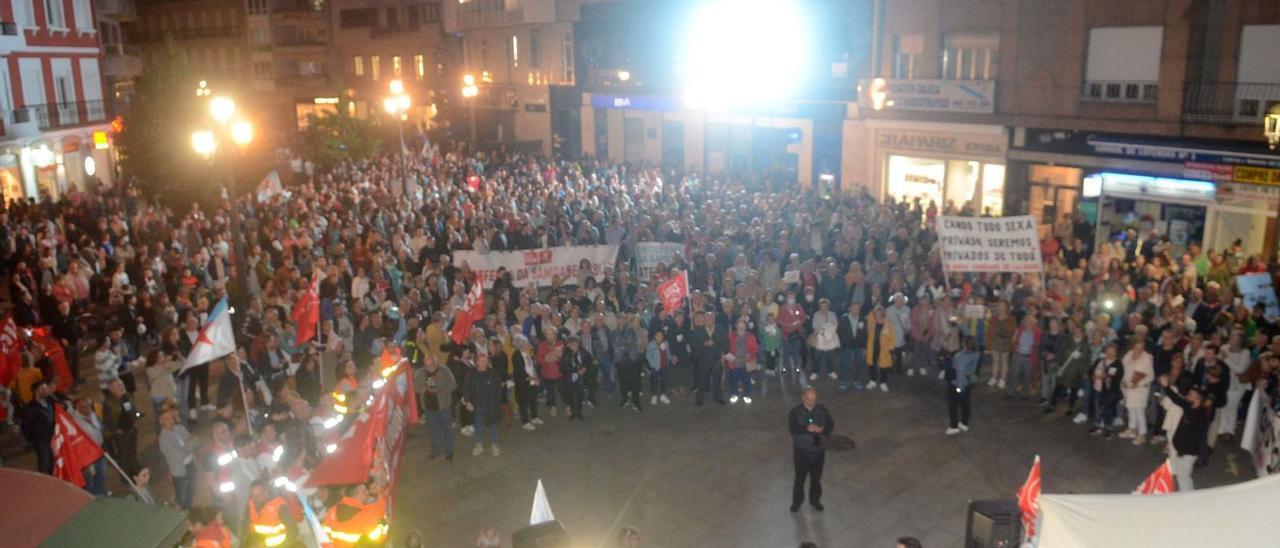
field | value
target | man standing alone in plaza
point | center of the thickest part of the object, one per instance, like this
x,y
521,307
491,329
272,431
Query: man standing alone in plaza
x,y
810,425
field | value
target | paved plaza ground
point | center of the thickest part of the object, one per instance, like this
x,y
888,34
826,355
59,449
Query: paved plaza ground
x,y
721,476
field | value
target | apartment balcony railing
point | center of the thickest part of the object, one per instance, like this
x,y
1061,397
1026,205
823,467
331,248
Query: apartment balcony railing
x,y
185,34
124,10
1228,102
1119,91
60,115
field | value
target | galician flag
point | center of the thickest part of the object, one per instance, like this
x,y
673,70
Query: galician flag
x,y
215,340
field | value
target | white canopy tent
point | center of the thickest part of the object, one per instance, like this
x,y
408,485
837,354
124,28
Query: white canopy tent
x,y
1242,514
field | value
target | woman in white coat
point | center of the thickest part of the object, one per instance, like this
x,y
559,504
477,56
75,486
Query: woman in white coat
x,y
1138,374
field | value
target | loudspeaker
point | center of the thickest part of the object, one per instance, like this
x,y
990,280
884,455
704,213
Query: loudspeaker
x,y
994,523
548,534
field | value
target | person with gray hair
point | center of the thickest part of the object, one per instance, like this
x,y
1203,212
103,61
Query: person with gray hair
x,y
524,375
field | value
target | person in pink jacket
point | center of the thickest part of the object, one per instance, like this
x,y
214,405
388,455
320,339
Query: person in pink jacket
x,y
743,357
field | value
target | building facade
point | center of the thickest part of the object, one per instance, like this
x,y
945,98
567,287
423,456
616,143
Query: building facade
x,y
377,41
54,132
1147,119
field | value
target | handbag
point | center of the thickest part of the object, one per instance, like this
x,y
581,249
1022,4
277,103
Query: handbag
x,y
753,366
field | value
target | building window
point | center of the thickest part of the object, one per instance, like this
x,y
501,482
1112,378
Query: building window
x,y
515,51
419,65
22,13
1123,64
53,16
970,56
257,7
535,48
84,21
395,66
358,66
431,12
907,51
566,60
375,66
358,18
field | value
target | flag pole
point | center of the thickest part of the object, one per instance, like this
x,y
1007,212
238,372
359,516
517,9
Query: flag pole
x,y
126,477
244,400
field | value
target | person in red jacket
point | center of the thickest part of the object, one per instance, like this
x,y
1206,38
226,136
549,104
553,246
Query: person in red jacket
x,y
743,357
548,359
791,319
1026,347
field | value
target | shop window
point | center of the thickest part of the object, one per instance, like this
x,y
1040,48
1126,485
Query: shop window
x,y
911,178
992,190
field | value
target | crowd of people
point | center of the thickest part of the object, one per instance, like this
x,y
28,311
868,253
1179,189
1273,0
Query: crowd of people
x,y
786,286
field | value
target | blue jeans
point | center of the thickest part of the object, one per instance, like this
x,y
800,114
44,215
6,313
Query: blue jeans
x,y
606,373
440,424
738,376
184,487
657,382
480,429
825,361
791,349
853,362
97,482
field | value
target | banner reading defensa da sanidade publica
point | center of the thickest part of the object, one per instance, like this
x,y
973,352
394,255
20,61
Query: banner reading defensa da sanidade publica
x,y
990,244
540,266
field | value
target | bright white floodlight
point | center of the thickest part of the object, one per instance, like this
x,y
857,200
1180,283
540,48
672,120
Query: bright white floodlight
x,y
743,52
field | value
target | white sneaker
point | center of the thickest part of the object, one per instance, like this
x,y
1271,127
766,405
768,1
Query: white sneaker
x,y
537,421
553,411
952,431
871,385
991,382
924,372
1117,422
653,400
813,376
1128,434
665,399
468,430
746,400
770,372
911,372
1080,418
567,411
479,450
493,448
528,426
884,387
733,399
963,427
833,376
209,407
942,375
194,414
1000,384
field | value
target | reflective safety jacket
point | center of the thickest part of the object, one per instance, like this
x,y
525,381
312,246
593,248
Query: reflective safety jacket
x,y
352,522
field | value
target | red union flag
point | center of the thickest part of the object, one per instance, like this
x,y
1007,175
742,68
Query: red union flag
x,y
1029,500
306,313
472,311
1159,482
72,449
673,292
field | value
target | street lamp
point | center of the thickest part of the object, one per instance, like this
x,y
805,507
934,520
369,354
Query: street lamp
x,y
204,143
624,75
222,109
397,104
241,133
469,92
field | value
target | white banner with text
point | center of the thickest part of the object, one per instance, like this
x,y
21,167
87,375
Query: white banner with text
x,y
541,266
990,244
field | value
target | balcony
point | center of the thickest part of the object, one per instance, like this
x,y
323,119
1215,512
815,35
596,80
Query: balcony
x,y
120,10
1119,91
141,36
121,61
1228,102
62,115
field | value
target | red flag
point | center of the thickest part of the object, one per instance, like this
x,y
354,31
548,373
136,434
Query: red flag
x,y
10,352
1159,482
72,449
306,313
1029,500
471,312
673,292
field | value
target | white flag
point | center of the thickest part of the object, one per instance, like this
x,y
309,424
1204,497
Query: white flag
x,y
541,507
216,338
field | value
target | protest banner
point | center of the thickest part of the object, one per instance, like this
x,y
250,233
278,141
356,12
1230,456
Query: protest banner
x,y
1261,436
540,266
980,244
649,254
1256,289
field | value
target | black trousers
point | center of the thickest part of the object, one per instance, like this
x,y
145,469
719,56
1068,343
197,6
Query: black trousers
x,y
527,402
958,405
808,464
198,386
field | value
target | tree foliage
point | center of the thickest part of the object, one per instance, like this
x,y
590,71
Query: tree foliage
x,y
156,141
333,137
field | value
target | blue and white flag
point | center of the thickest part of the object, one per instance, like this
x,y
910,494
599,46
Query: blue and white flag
x,y
216,338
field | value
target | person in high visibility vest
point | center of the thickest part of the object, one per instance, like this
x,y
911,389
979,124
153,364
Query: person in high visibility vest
x,y
354,521
207,528
271,519
346,386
